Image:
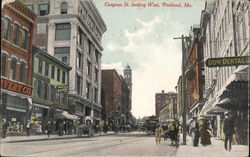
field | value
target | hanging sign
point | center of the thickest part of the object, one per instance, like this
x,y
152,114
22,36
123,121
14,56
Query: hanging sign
x,y
227,61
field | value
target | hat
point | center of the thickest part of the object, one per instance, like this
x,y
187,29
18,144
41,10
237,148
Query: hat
x,y
226,113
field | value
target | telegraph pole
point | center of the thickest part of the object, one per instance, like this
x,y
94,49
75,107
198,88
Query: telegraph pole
x,y
183,91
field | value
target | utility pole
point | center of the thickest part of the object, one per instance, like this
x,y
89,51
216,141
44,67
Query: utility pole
x,y
183,91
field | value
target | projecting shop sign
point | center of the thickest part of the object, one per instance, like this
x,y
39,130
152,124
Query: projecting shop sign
x,y
227,61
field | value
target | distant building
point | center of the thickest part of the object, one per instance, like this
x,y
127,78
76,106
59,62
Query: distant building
x,y
72,32
17,29
161,98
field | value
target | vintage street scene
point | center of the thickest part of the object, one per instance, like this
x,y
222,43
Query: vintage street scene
x,y
125,78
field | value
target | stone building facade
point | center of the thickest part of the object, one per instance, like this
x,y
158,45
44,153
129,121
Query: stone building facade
x,y
161,99
225,29
72,32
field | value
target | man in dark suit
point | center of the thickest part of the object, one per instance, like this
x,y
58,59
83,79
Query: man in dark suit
x,y
228,130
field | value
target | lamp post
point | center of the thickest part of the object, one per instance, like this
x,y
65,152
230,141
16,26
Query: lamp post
x,y
183,91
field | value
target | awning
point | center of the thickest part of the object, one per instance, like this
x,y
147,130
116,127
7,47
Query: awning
x,y
15,109
42,106
65,115
199,103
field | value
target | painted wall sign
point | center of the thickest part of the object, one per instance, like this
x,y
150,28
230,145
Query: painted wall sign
x,y
16,87
227,61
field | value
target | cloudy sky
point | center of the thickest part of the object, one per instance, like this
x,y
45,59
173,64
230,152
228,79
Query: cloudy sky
x,y
143,38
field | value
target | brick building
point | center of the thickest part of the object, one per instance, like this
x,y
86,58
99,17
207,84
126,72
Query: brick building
x,y
17,27
161,98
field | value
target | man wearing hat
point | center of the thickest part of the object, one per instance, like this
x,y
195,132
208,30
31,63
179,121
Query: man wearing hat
x,y
228,130
195,131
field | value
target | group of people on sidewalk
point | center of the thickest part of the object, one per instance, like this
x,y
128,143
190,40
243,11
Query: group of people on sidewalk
x,y
204,131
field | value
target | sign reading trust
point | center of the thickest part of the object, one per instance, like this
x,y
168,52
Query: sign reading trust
x,y
227,61
16,87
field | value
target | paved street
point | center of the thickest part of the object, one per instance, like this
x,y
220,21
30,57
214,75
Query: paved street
x,y
112,145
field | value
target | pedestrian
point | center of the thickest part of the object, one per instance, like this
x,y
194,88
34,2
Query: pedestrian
x,y
60,131
28,125
194,126
158,132
205,133
4,127
229,130
48,128
176,133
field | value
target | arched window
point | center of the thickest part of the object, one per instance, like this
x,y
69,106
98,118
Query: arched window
x,y
64,8
16,34
6,33
13,69
3,64
24,39
22,72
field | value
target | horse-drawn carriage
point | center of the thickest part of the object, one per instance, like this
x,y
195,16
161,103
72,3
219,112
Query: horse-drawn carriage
x,y
86,128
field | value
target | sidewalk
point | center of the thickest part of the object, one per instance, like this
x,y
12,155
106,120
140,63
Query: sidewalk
x,y
12,139
214,150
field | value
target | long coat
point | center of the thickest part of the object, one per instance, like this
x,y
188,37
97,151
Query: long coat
x,y
205,135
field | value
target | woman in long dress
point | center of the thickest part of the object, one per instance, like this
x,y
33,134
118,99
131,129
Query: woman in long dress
x,y
205,135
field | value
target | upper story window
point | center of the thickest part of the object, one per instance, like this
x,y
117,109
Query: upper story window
x,y
64,8
6,33
96,56
13,68
22,72
40,65
46,69
53,72
88,68
30,6
79,60
63,54
24,39
63,77
78,85
43,9
16,34
3,64
58,74
63,31
90,47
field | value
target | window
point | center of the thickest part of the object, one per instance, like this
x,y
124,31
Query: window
x,y
89,68
96,56
6,33
39,88
58,74
30,6
22,72
13,69
43,9
88,90
46,69
79,60
62,53
90,47
40,65
3,64
52,93
64,8
80,36
96,75
52,71
46,92
63,77
78,85
41,28
63,31
96,95
24,39
16,33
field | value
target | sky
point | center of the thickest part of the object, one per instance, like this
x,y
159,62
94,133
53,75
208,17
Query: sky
x,y
143,38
